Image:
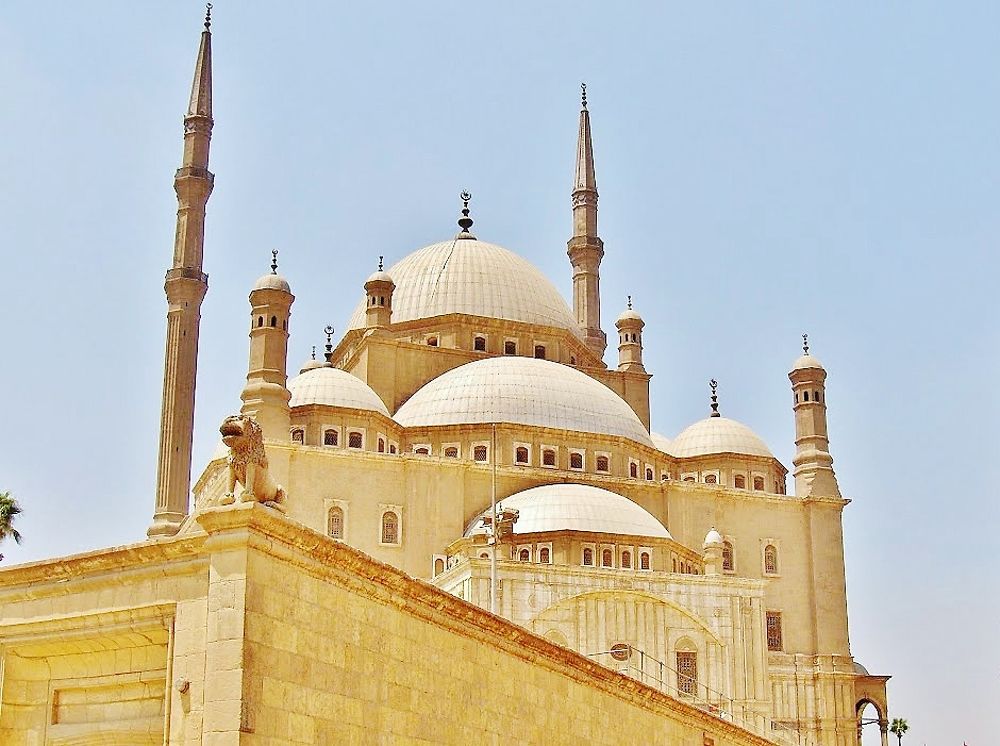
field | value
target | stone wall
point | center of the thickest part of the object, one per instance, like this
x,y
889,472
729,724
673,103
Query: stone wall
x,y
259,631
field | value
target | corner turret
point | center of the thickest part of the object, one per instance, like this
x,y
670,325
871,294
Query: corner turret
x,y
630,325
378,290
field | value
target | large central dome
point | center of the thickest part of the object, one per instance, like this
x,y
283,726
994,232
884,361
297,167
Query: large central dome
x,y
522,391
476,278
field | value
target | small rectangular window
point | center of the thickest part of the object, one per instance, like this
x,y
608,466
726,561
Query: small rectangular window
x,y
510,347
540,352
774,641
479,343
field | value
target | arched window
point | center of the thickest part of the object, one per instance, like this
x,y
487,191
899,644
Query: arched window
x,y
438,566
688,479
607,558
329,437
588,557
392,448
298,436
758,484
627,560
479,344
274,321
451,452
649,474
740,482
543,555
540,352
432,341
675,564
548,457
480,453
260,321
576,461
524,555
644,561
510,347
603,465
484,555
773,624
805,396
521,455
633,470
422,451
687,672
381,445
335,523
390,528
711,479
355,439
727,556
815,396
771,559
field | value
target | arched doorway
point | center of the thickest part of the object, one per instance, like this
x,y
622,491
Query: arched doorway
x,y
872,724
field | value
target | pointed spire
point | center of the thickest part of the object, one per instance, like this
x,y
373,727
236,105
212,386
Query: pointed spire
x,y
586,177
465,222
200,104
714,385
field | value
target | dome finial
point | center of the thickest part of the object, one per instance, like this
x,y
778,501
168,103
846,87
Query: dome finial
x,y
714,385
465,222
208,17
274,261
328,331
314,352
379,262
583,95
805,344
630,303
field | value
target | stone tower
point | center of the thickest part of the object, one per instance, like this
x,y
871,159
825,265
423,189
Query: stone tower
x,y
813,463
378,291
585,248
185,286
265,395
629,326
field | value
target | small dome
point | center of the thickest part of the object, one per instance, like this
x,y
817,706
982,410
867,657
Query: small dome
x,y
628,315
522,391
312,364
712,537
860,670
806,361
661,442
576,507
476,278
718,435
380,276
272,282
334,388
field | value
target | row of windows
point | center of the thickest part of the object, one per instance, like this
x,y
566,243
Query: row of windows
x,y
336,528
740,482
274,323
770,558
805,396
625,559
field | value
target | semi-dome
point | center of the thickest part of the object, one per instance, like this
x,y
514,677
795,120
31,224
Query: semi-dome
x,y
522,391
576,507
662,442
718,435
272,282
476,278
334,388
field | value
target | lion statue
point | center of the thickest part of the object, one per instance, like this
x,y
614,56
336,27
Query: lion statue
x,y
248,463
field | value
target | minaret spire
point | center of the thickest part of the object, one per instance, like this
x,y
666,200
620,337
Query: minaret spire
x,y
585,247
185,286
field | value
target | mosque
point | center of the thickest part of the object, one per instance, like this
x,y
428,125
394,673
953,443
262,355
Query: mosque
x,y
465,431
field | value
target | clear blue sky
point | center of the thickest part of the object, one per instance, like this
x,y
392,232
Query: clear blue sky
x,y
765,169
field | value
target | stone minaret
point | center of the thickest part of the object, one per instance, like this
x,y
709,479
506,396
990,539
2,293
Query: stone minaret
x,y
266,395
813,463
629,326
585,247
378,291
185,287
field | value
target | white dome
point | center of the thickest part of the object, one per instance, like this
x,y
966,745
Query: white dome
x,y
272,282
806,361
576,507
628,315
522,391
476,278
379,276
661,442
712,537
718,435
334,388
